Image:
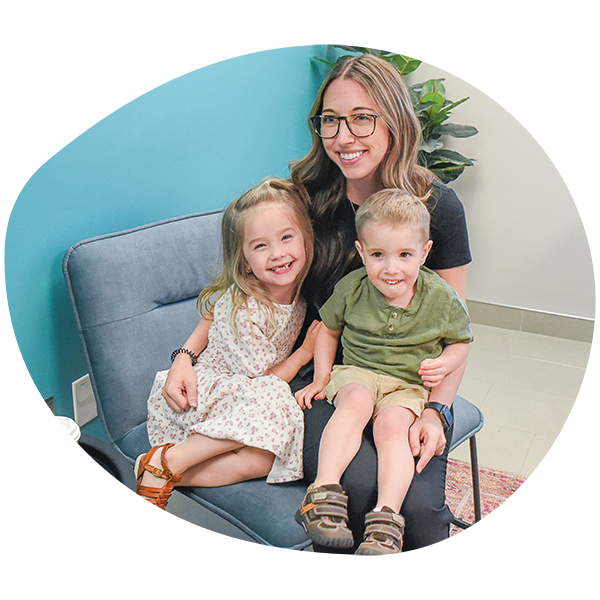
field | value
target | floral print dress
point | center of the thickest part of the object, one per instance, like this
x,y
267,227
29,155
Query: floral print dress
x,y
236,401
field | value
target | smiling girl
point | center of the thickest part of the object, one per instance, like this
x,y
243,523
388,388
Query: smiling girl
x,y
236,419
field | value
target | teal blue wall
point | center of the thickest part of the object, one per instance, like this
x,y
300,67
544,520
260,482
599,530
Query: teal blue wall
x,y
192,144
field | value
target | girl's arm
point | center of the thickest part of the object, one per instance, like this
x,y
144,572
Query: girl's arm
x,y
289,368
433,370
325,350
180,390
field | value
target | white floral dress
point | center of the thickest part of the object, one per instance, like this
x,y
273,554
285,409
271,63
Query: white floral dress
x,y
235,400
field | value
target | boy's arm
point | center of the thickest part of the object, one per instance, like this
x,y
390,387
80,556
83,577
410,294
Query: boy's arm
x,y
325,350
434,370
289,368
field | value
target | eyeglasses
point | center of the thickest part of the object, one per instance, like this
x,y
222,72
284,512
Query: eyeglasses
x,y
359,125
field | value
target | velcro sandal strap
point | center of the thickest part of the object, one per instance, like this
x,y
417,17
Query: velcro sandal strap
x,y
329,497
383,529
394,519
325,510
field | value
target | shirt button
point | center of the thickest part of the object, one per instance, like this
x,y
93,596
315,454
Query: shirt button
x,y
394,315
391,327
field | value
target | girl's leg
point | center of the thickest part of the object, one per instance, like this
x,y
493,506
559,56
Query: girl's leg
x,y
396,465
192,451
231,467
342,435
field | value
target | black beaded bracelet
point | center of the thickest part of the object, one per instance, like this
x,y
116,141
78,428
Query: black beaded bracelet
x,y
193,356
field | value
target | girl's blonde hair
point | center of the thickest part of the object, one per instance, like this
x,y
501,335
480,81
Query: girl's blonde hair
x,y
396,208
234,273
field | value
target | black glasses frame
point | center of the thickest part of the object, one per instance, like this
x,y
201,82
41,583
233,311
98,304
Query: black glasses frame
x,y
316,121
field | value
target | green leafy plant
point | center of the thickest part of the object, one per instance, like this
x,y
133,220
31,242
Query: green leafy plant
x,y
433,110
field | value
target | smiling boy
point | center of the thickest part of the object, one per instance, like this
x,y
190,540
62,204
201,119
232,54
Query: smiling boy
x,y
403,329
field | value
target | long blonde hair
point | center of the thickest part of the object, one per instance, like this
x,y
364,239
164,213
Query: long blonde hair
x,y
234,272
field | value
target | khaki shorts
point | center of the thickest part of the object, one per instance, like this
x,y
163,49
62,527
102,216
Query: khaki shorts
x,y
386,390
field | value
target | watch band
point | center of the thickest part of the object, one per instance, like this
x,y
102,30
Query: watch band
x,y
443,411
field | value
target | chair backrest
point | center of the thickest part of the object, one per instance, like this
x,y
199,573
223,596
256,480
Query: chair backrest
x,y
134,298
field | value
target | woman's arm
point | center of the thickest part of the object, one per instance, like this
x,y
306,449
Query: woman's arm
x,y
180,390
288,369
457,278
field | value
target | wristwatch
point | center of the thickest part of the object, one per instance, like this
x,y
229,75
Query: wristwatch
x,y
444,411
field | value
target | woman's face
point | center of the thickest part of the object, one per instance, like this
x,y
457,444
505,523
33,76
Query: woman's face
x,y
358,158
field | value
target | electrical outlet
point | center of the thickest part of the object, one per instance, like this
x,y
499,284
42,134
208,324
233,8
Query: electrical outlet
x,y
84,402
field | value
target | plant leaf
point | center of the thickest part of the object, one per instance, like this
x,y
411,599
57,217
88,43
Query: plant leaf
x,y
448,174
431,145
330,64
404,64
450,156
455,130
433,86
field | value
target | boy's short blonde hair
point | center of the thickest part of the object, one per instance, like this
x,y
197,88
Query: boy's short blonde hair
x,y
394,207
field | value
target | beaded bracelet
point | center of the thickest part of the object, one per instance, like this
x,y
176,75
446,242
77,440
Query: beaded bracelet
x,y
193,356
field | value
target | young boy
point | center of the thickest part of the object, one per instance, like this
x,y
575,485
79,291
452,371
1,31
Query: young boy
x,y
403,329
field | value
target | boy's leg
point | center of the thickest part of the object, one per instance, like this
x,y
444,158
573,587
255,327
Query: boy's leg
x,y
396,464
342,435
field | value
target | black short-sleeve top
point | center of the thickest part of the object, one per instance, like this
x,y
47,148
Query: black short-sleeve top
x,y
448,231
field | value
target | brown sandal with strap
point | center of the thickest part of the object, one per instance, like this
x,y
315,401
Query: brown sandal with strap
x,y
324,516
383,534
154,495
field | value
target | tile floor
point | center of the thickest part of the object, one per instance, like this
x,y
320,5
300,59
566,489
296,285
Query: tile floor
x,y
538,397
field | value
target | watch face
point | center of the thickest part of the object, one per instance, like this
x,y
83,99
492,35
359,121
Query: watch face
x,y
446,416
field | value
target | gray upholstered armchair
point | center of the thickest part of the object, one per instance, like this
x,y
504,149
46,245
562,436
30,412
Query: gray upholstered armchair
x,y
134,295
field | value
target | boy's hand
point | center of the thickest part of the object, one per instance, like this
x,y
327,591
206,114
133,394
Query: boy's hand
x,y
433,371
314,390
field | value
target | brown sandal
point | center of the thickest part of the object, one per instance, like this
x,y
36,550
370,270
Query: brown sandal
x,y
324,516
383,534
158,496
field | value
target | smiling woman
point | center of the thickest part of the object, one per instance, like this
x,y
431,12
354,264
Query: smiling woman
x,y
337,176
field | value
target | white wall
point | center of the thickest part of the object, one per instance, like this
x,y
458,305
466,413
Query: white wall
x,y
528,242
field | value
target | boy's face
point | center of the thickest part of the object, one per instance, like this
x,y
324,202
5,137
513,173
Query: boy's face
x,y
393,256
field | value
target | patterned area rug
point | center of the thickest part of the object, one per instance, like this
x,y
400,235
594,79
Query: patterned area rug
x,y
496,487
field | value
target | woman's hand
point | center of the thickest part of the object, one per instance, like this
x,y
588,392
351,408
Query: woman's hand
x,y
180,391
426,438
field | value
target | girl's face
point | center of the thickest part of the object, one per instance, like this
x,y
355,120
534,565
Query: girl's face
x,y
274,249
358,158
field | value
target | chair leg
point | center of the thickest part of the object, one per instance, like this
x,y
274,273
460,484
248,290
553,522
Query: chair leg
x,y
475,473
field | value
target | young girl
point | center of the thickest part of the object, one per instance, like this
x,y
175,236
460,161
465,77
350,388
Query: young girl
x,y
239,419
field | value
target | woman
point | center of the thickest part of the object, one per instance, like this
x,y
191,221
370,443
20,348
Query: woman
x,y
366,137
371,141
